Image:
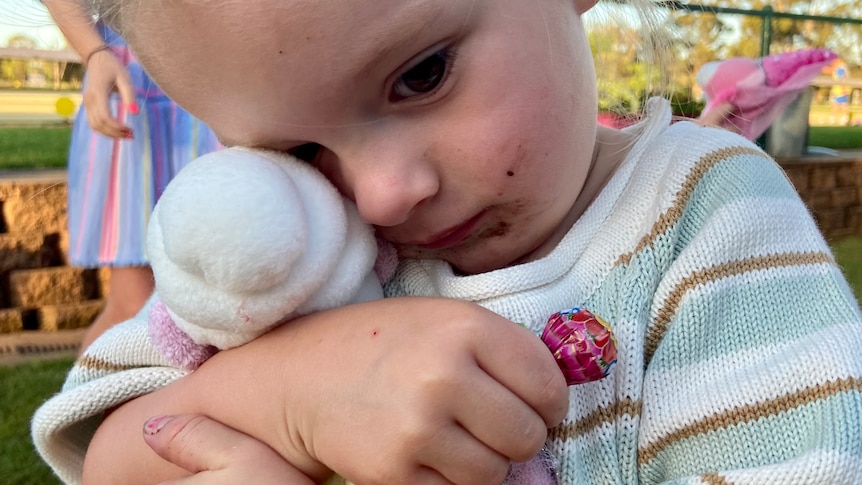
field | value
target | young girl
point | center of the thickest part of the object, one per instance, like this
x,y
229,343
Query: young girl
x,y
466,132
125,149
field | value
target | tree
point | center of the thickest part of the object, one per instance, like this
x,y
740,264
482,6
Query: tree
x,y
788,34
21,41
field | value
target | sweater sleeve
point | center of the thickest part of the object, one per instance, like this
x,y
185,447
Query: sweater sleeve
x,y
119,366
753,370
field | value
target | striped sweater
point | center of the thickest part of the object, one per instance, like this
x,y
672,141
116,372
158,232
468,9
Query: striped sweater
x,y
738,336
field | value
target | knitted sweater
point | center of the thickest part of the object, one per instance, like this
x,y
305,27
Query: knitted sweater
x,y
738,336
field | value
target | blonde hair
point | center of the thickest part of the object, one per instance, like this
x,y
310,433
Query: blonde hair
x,y
642,42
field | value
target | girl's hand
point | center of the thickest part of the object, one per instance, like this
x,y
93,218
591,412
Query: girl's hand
x,y
420,391
217,454
106,74
399,390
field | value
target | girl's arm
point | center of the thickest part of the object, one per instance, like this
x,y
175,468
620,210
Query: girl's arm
x,y
402,390
753,370
105,73
77,26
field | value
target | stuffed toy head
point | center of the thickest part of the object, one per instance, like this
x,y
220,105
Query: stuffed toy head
x,y
243,240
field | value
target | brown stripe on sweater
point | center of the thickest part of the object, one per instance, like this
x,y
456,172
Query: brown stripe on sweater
x,y
604,415
674,212
749,413
656,331
92,363
714,479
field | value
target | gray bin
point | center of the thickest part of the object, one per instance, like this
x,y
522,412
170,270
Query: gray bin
x,y
787,136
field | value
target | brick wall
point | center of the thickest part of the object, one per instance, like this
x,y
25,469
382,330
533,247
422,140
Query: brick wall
x,y
832,189
38,291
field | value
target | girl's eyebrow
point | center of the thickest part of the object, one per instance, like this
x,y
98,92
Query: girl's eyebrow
x,y
408,24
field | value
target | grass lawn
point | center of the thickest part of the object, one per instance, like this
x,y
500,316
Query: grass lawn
x,y
837,137
29,148
848,253
22,389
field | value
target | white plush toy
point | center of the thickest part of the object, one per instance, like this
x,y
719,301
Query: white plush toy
x,y
243,240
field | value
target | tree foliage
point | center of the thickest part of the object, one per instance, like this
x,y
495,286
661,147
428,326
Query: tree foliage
x,y
695,38
18,72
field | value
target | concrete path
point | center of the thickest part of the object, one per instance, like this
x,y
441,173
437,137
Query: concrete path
x,y
32,345
37,175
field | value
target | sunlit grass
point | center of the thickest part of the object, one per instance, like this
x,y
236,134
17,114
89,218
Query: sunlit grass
x,y
23,388
848,254
29,148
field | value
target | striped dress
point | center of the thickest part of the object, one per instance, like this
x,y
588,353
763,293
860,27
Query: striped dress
x,y
114,183
738,336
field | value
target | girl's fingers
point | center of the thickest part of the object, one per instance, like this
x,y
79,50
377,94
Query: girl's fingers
x,y
521,362
100,118
127,93
486,404
215,453
466,461
106,74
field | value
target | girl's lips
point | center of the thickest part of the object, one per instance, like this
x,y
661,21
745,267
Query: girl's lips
x,y
452,236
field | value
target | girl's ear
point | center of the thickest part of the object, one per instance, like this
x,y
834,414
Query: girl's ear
x,y
583,5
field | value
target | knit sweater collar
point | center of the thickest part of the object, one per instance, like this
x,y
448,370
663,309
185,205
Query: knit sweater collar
x,y
437,278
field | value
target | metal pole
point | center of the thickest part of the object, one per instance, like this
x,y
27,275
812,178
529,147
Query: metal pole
x,y
675,5
766,31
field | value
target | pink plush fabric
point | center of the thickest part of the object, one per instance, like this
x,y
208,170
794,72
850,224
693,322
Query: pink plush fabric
x,y
173,343
761,89
386,262
541,470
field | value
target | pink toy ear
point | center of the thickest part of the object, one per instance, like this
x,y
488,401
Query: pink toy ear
x,y
541,470
386,262
172,342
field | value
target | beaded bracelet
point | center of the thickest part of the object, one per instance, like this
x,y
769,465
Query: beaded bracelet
x,y
93,52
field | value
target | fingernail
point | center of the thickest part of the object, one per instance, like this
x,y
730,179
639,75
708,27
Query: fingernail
x,y
155,424
134,109
130,134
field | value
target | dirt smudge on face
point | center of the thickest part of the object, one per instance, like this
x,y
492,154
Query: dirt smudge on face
x,y
503,227
500,228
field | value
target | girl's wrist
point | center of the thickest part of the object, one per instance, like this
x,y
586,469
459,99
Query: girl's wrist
x,y
101,48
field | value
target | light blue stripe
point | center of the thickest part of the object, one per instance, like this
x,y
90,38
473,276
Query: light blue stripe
x,y
821,425
812,302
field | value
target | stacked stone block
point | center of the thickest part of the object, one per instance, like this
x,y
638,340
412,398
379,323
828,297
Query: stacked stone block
x,y
832,189
38,290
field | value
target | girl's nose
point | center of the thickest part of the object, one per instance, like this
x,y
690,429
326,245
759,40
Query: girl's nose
x,y
391,184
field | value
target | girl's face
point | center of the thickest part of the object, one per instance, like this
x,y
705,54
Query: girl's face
x,y
462,129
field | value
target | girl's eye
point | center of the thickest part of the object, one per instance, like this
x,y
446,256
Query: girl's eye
x,y
307,152
424,77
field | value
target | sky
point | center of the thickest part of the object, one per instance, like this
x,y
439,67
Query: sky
x,y
30,18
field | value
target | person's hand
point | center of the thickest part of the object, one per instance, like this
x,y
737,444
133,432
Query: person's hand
x,y
215,453
106,74
719,116
411,390
399,390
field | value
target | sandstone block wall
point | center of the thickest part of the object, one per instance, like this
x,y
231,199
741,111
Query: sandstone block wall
x,y
38,290
832,189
